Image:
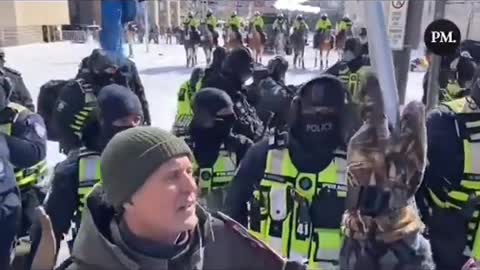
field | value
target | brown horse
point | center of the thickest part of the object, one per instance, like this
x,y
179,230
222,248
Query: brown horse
x,y
255,43
325,43
234,39
340,39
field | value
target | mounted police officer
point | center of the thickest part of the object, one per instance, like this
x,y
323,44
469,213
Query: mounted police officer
x,y
294,182
280,24
20,94
235,24
300,23
118,109
212,24
345,25
257,22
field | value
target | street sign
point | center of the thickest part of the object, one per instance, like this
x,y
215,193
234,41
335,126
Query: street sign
x,y
397,20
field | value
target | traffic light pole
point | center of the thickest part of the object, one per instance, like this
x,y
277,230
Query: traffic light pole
x,y
434,70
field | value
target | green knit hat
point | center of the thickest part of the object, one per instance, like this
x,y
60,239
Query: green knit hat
x,y
132,156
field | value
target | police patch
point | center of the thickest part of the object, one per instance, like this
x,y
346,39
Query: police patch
x,y
40,130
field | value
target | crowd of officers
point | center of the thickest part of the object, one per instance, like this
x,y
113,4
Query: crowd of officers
x,y
269,156
236,24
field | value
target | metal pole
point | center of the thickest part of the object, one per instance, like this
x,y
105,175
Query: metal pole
x,y
147,25
402,57
434,71
381,57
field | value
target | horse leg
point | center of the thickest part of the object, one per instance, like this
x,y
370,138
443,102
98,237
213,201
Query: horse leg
x,y
316,56
328,54
295,60
303,58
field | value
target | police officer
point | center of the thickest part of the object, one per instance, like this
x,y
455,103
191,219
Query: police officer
x,y
74,178
456,75
212,24
184,104
257,22
345,25
351,67
280,24
300,24
25,134
10,203
294,182
448,202
234,24
190,22
99,69
236,70
323,24
274,95
217,150
20,94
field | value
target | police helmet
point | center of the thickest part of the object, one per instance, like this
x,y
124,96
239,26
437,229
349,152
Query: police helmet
x,y
209,12
99,62
239,63
211,105
324,16
234,13
346,17
257,13
196,75
280,16
190,14
300,17
277,67
363,32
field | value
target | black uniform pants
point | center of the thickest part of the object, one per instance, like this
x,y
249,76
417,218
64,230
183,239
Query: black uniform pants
x,y
10,211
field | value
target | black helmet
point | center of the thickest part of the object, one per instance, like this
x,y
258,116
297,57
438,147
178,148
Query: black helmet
x,y
300,17
353,45
239,64
324,16
277,67
213,116
465,67
99,62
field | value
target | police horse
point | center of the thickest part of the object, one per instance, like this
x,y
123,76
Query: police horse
x,y
340,39
234,38
280,42
206,41
298,43
190,38
255,42
323,42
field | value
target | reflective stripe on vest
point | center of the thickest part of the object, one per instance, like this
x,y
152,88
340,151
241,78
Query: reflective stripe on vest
x,y
26,177
285,197
220,174
468,129
88,175
184,110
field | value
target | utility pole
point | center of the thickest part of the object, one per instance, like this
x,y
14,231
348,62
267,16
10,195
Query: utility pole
x,y
434,70
401,58
147,24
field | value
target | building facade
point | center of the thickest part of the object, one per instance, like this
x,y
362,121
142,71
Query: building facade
x,y
23,22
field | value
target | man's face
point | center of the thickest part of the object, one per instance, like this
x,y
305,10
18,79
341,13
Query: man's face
x,y
166,202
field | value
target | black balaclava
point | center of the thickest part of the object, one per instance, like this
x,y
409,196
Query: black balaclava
x,y
6,88
219,55
115,102
238,65
311,125
465,70
213,117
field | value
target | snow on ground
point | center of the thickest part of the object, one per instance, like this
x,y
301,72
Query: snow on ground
x,y
162,71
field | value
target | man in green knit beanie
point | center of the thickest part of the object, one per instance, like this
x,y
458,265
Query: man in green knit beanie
x,y
145,215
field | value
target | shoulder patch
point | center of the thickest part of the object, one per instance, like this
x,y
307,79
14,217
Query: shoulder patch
x,y
237,228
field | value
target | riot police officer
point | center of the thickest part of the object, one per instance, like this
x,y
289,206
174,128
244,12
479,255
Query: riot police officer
x,y
236,70
294,182
100,69
118,109
217,150
212,24
20,94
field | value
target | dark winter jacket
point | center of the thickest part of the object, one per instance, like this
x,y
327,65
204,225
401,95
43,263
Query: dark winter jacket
x,y
20,94
218,242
